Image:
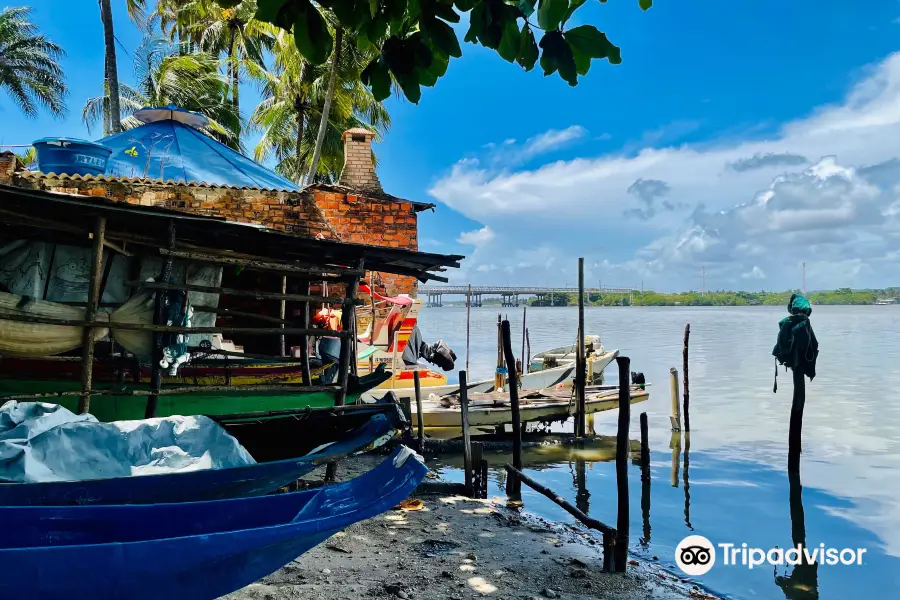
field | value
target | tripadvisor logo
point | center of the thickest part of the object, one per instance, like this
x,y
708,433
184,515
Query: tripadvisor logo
x,y
695,555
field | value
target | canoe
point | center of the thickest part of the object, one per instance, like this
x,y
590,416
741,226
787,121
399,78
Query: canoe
x,y
544,405
192,486
124,407
536,380
189,551
278,435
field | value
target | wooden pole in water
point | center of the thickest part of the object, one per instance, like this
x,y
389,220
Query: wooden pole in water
x,y
527,348
796,427
93,300
420,418
580,370
514,405
675,417
687,395
467,438
524,364
645,446
468,322
498,376
622,447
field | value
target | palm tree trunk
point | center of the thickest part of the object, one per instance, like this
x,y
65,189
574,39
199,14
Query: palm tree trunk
x,y
112,75
233,60
301,120
326,109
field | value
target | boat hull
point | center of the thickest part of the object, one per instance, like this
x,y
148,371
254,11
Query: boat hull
x,y
189,551
208,484
436,415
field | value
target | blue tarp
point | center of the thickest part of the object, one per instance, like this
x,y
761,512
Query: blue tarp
x,y
178,152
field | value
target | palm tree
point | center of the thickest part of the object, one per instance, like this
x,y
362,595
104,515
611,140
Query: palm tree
x,y
113,113
290,113
29,71
165,75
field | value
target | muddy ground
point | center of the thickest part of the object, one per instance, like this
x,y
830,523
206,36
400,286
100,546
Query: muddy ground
x,y
456,548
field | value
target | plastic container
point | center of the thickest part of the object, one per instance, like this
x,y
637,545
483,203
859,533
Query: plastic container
x,y
71,156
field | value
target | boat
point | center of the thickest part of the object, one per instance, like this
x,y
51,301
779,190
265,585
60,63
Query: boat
x,y
189,551
596,359
492,409
277,435
200,485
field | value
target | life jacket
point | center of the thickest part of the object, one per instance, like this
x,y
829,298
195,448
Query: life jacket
x,y
796,347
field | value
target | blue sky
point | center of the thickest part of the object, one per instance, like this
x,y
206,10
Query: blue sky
x,y
744,136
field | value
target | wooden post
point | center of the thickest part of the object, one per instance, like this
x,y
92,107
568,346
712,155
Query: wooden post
x,y
468,322
580,370
622,447
330,471
527,349
304,339
159,318
93,300
498,376
406,406
675,445
478,478
283,313
645,447
348,346
374,315
514,407
645,501
687,396
796,426
524,364
420,417
466,436
687,482
675,417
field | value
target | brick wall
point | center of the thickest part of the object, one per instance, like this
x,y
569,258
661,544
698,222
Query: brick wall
x,y
374,221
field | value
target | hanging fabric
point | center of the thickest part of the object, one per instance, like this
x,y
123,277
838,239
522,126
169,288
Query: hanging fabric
x,y
796,347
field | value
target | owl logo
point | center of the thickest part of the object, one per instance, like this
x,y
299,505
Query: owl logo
x,y
132,152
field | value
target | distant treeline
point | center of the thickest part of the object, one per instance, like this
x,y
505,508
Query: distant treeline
x,y
722,298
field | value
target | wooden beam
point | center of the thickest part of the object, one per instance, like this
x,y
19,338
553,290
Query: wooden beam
x,y
206,289
237,313
87,348
259,265
159,318
117,248
298,389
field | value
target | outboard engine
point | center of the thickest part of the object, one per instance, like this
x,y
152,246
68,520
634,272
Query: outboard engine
x,y
438,353
638,380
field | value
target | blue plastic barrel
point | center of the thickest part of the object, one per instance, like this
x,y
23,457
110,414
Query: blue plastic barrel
x,y
71,156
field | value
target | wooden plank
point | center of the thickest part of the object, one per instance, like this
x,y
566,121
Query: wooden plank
x,y
177,391
117,248
237,313
259,265
206,289
466,434
93,299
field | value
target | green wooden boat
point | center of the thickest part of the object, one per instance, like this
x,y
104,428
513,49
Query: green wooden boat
x,y
126,407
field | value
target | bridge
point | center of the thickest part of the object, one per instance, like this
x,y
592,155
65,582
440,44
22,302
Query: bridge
x,y
510,295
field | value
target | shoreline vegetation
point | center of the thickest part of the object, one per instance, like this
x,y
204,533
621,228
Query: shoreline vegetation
x,y
840,296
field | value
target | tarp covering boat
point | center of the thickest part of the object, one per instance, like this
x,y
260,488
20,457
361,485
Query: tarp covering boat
x,y
42,442
189,551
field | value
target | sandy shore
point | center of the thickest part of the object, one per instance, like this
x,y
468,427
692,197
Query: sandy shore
x,y
456,548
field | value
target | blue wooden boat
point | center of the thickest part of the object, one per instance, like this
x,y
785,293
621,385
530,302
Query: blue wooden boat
x,y
189,551
209,484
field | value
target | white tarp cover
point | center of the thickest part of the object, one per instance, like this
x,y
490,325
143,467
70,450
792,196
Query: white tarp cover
x,y
45,442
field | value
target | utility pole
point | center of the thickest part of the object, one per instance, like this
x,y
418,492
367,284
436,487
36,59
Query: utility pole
x,y
804,278
703,280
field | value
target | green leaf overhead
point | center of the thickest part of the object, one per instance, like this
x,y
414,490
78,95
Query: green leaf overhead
x,y
416,39
551,13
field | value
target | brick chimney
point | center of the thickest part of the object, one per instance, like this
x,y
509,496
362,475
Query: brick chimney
x,y
358,171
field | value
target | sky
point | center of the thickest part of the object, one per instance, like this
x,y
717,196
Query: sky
x,y
743,137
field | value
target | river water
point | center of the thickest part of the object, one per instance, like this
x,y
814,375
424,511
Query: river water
x,y
732,486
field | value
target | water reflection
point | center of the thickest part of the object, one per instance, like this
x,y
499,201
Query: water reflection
x,y
582,495
803,582
687,482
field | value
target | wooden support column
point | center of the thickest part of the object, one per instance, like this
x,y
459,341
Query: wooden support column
x,y
304,339
348,323
580,370
93,300
283,313
159,318
420,417
514,487
466,435
622,448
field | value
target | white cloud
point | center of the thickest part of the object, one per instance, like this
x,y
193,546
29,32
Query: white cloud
x,y
825,189
754,273
479,237
552,140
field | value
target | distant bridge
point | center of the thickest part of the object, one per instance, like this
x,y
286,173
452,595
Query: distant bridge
x,y
510,295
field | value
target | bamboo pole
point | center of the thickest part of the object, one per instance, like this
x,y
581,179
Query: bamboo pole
x,y
687,396
466,434
675,417
515,488
420,416
159,319
622,447
580,370
87,348
468,322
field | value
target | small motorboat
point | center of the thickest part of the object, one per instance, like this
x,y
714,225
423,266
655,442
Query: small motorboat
x,y
597,358
494,408
189,551
205,484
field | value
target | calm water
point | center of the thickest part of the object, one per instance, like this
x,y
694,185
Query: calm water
x,y
732,485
